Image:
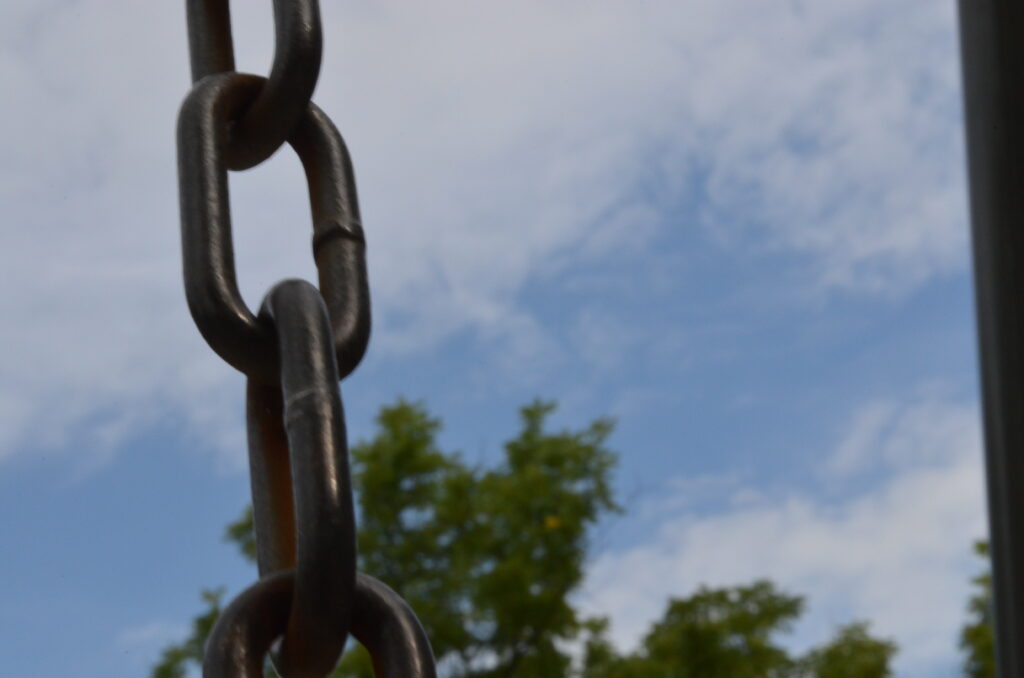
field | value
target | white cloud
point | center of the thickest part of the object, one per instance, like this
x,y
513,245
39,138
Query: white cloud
x,y
896,552
885,434
493,145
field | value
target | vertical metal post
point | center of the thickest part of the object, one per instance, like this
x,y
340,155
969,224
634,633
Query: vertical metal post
x,y
992,43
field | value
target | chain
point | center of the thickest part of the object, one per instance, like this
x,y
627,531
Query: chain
x,y
294,351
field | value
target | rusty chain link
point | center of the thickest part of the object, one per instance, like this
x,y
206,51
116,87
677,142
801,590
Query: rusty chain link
x,y
294,352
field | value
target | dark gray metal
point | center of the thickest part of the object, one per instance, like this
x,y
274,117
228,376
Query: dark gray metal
x,y
294,353
270,118
992,42
385,624
321,526
382,622
339,247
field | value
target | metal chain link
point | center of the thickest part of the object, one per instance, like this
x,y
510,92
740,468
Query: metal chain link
x,y
224,320
268,120
294,353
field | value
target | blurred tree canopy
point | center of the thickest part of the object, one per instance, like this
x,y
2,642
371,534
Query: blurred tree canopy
x,y
853,653
977,639
733,633
490,557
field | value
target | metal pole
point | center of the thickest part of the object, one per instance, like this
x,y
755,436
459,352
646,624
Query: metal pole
x,y
992,43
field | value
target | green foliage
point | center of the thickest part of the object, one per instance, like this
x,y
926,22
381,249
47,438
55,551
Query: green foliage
x,y
733,633
488,557
600,659
175,658
725,632
853,653
977,639
241,534
715,633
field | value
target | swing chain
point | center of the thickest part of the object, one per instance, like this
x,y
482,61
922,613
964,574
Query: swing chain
x,y
293,352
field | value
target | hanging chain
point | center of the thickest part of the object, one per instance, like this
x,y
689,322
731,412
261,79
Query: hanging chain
x,y
293,352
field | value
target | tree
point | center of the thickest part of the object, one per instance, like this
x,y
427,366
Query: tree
x,y
725,633
977,639
853,653
732,633
175,658
488,557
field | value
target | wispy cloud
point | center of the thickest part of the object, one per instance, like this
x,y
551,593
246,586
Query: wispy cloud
x,y
896,552
888,435
494,146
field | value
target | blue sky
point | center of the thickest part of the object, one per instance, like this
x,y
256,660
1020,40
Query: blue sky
x,y
737,227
